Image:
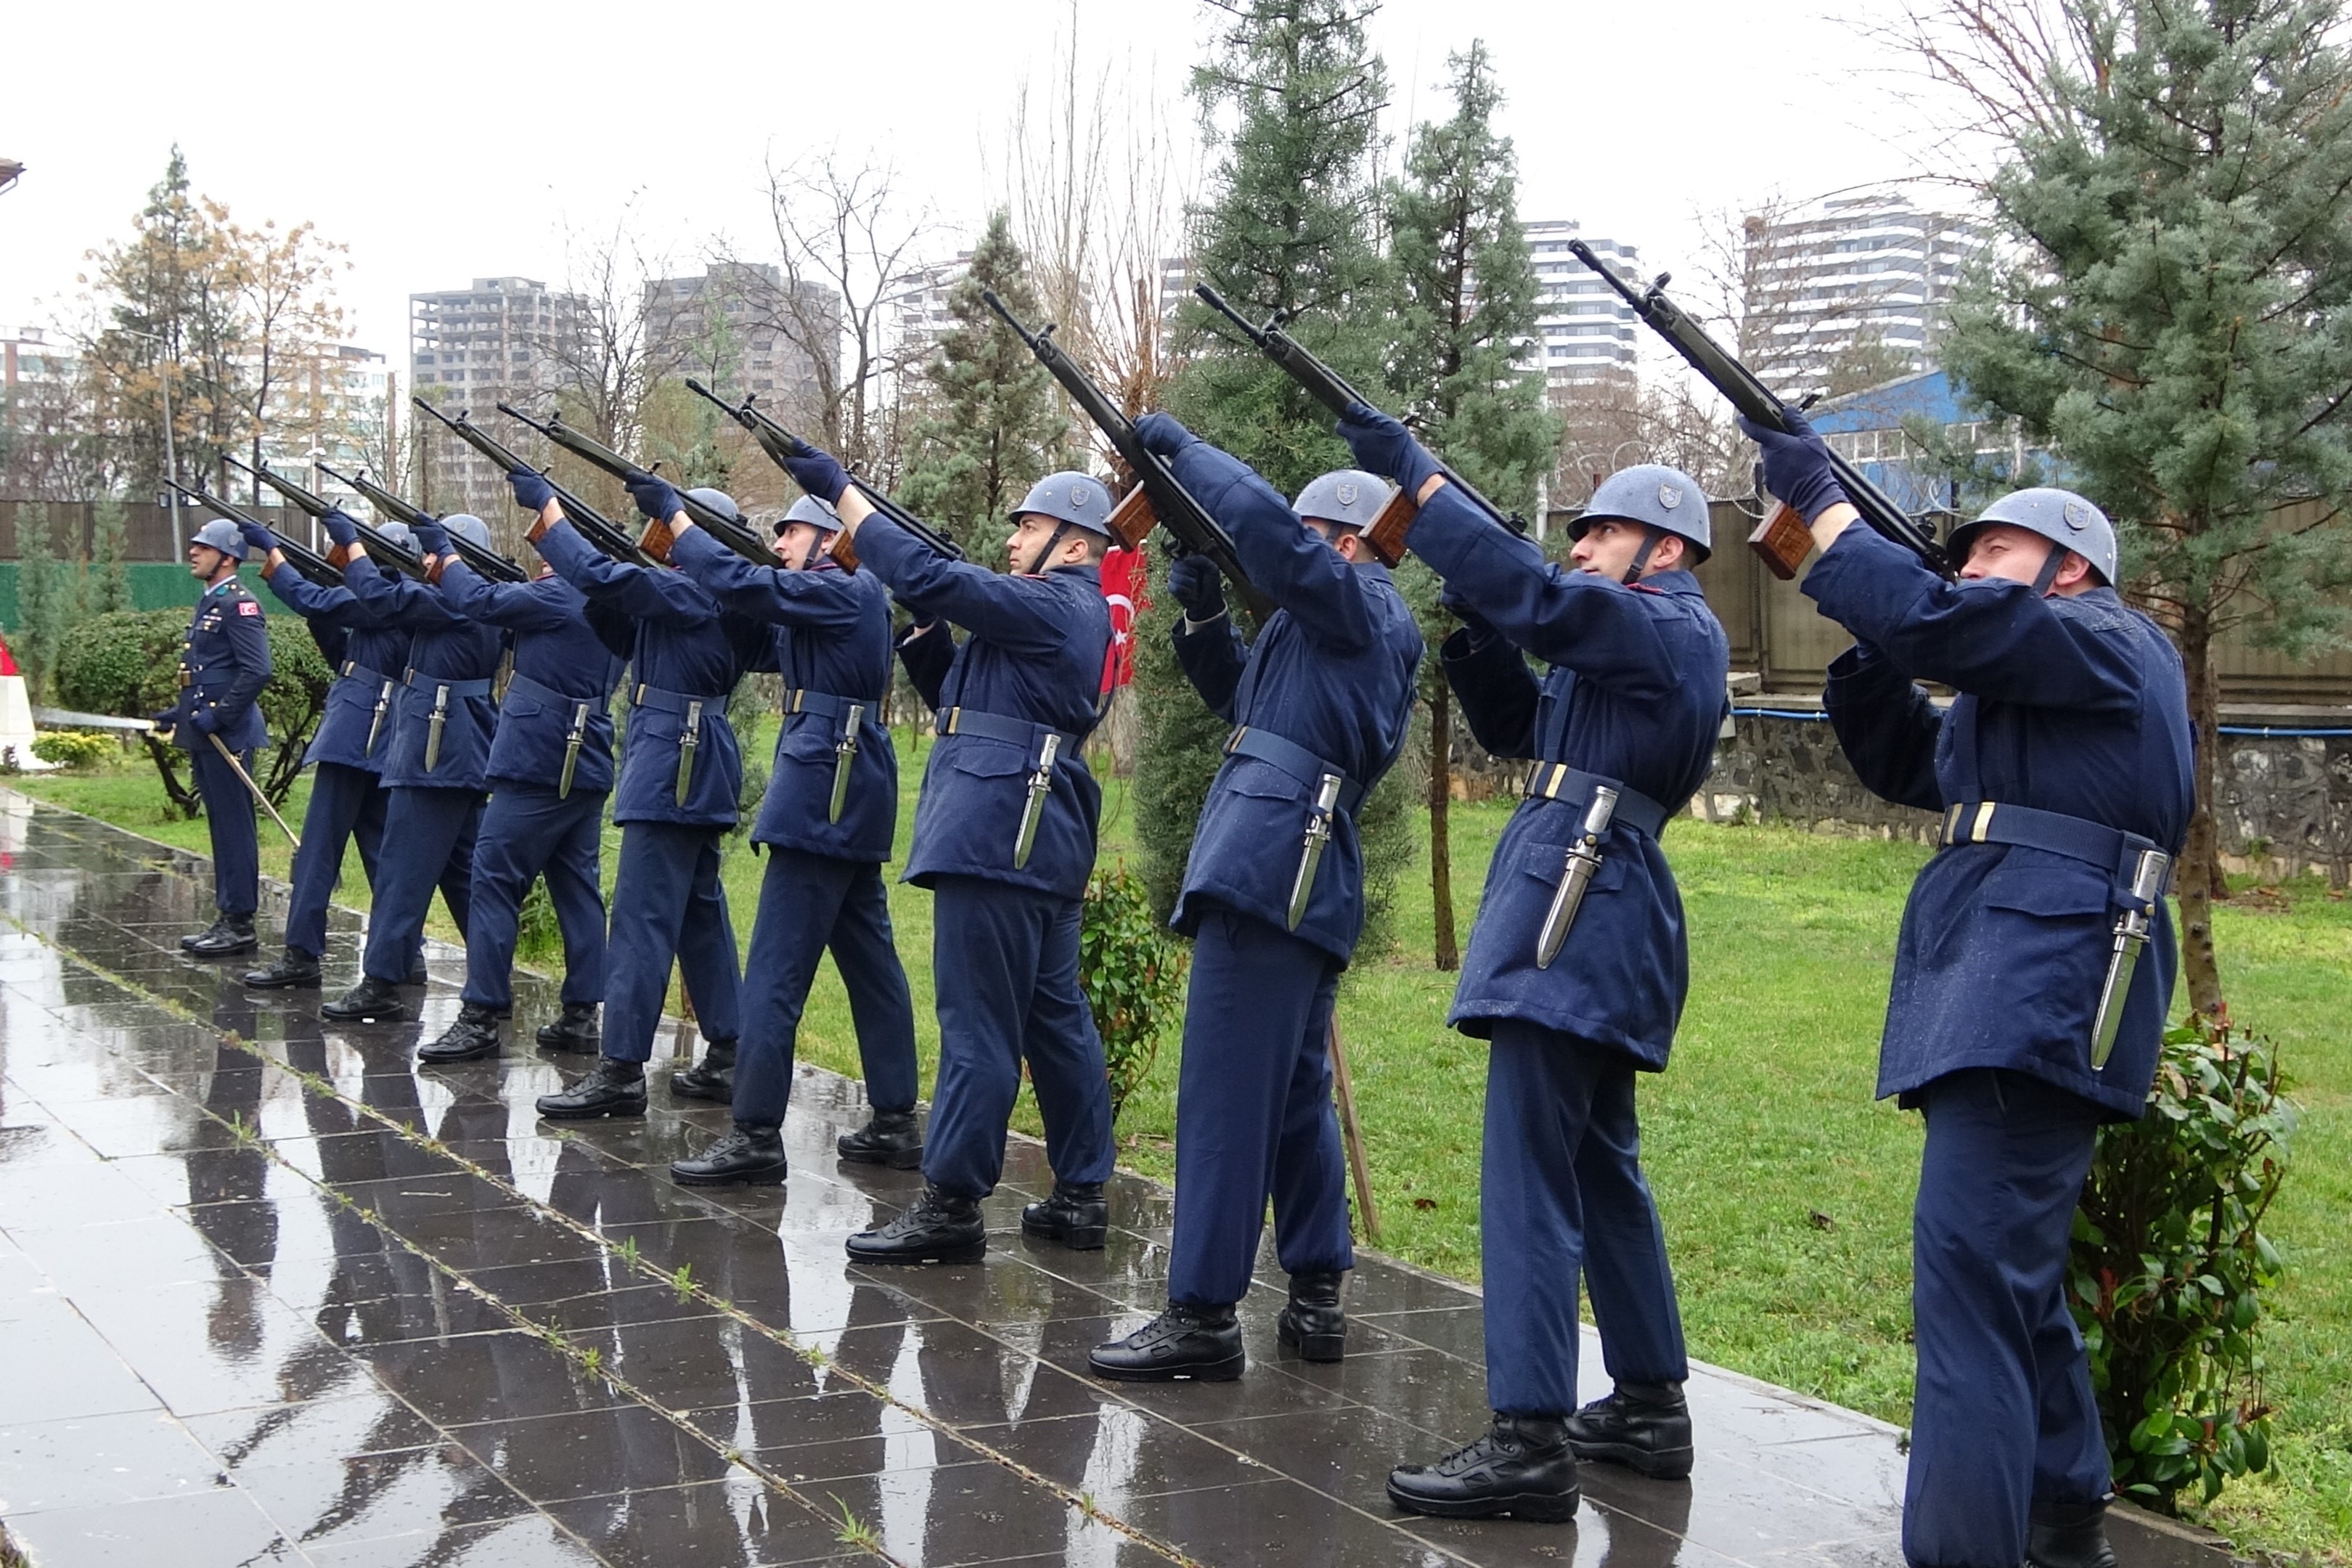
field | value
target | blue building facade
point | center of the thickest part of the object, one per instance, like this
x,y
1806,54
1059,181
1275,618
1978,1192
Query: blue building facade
x,y
1867,428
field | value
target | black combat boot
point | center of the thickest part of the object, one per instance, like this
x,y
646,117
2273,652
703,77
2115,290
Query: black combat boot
x,y
609,1088
892,1138
1077,1216
1188,1343
573,1029
711,1078
748,1157
1313,1324
188,944
1644,1426
2069,1535
294,967
230,936
372,1001
473,1036
942,1228
1522,1466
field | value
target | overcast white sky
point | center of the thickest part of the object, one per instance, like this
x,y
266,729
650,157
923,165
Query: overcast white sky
x,y
444,142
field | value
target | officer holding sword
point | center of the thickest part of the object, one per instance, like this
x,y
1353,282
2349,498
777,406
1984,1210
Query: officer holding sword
x,y
224,664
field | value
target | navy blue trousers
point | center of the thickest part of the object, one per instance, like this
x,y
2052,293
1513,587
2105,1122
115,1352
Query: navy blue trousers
x,y
1562,1196
1005,962
347,804
527,832
808,904
1254,1116
428,842
2003,1417
228,814
669,907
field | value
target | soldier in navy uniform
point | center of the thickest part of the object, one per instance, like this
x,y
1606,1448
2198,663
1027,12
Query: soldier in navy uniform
x,y
348,799
551,768
831,808
1004,837
2063,772
1322,702
680,775
435,768
1632,704
224,664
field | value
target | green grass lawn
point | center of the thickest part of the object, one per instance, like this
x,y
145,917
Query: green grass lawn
x,y
1786,1189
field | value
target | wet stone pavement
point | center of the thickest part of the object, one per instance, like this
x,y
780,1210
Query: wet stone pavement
x,y
271,1294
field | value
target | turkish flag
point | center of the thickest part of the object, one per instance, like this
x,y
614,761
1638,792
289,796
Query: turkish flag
x,y
1125,573
8,660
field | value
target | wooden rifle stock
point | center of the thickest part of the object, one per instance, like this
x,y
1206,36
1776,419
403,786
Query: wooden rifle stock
x,y
1782,540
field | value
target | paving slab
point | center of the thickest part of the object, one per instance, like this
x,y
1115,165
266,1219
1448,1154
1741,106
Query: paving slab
x,y
271,1293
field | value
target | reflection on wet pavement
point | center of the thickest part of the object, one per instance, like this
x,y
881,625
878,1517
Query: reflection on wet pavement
x,y
271,1294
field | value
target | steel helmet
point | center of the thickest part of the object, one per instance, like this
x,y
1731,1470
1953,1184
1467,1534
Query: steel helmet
x,y
1077,500
718,501
1657,497
1349,497
2064,517
465,525
397,532
813,512
220,534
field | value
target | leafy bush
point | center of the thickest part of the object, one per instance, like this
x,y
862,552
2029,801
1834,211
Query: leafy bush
x,y
2170,1264
537,933
1133,972
72,748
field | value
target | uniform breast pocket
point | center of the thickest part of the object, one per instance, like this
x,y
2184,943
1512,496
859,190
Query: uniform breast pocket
x,y
1262,781
1548,863
989,760
517,706
807,739
2067,890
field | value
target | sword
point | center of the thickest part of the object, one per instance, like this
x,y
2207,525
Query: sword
x,y
251,788
690,739
1576,876
375,725
433,726
2131,935
572,751
1310,854
845,751
1040,783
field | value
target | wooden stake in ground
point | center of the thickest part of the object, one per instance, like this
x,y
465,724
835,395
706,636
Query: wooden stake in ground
x,y
1352,1133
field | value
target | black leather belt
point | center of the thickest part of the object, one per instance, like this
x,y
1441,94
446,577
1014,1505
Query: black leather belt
x,y
2078,838
1558,781
1265,746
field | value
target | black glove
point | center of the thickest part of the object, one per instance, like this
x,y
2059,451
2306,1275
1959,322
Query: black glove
x,y
1797,465
1197,585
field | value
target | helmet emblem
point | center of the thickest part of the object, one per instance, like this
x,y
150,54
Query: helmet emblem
x,y
2078,516
1080,496
1344,491
1670,495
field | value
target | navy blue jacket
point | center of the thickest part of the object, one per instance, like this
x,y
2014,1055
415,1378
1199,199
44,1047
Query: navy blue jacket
x,y
224,663
559,663
444,649
372,654
832,639
2071,705
1636,693
687,651
1331,671
1036,655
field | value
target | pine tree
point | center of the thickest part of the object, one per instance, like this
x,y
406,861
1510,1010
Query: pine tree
x,y
994,424
2178,325
1466,291
1292,224
109,585
48,596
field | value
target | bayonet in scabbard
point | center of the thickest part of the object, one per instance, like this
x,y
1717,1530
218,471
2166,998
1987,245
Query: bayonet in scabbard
x,y
2132,928
845,754
1041,784
688,739
1310,854
1576,876
434,725
571,750
375,725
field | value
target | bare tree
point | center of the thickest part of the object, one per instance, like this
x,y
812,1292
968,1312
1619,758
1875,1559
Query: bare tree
x,y
285,287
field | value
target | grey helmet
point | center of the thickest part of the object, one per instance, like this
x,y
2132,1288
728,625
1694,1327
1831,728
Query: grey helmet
x,y
465,525
1657,496
2064,517
397,531
813,512
1075,500
718,501
220,534
1349,497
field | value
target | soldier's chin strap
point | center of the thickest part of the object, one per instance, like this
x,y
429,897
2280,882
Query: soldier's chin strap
x,y
1046,552
1642,557
817,537
2051,564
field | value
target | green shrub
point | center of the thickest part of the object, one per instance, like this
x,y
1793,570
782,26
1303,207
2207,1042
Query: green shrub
x,y
1133,972
2170,1264
537,934
72,748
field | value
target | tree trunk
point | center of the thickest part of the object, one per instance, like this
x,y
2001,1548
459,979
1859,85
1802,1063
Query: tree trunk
x,y
1446,949
2200,880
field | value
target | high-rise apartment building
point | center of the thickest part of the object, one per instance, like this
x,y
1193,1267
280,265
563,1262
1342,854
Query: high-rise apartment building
x,y
740,328
918,307
1584,332
1851,274
472,348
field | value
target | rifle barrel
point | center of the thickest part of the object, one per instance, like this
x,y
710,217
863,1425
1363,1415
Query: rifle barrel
x,y
589,523
300,556
405,560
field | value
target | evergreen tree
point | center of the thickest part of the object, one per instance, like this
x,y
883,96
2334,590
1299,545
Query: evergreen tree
x,y
1290,96
109,584
48,596
1467,293
994,424
2178,324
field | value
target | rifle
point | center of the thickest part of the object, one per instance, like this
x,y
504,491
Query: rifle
x,y
1157,498
780,444
408,561
488,562
586,520
326,571
1782,539
1329,388
656,540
